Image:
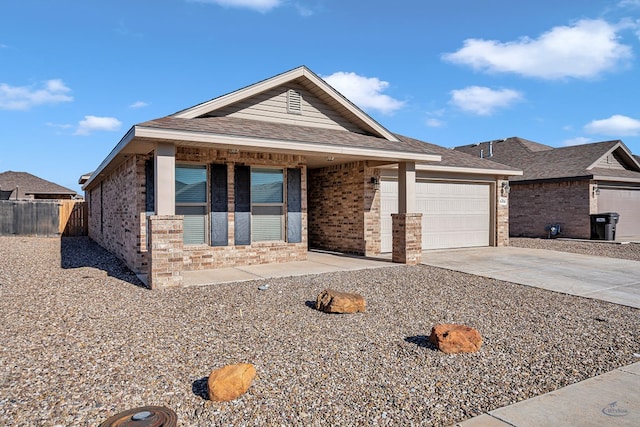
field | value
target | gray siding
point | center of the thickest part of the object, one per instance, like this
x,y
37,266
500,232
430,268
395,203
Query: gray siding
x,y
272,106
611,161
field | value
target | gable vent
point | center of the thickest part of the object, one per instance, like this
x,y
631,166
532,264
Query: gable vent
x,y
294,102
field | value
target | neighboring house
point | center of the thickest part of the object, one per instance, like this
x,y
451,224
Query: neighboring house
x,y
32,206
265,173
566,185
24,186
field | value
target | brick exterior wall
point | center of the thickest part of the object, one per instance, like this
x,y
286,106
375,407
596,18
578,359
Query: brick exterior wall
x,y
204,257
407,238
166,251
344,209
116,207
117,217
534,206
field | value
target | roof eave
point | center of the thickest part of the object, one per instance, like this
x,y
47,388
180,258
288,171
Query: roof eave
x,y
469,170
126,139
615,179
554,179
281,145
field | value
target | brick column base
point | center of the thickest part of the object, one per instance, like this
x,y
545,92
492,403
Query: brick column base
x,y
407,238
165,251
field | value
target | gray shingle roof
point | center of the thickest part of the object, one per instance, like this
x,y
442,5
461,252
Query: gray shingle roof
x,y
233,126
30,184
538,161
455,158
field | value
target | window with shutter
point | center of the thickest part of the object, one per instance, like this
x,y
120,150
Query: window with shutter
x,y
219,206
191,201
267,204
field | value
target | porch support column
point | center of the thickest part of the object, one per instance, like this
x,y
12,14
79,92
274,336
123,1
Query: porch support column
x,y
166,247
407,224
165,178
165,228
406,187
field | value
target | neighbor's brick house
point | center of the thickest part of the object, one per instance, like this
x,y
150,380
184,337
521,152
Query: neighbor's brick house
x,y
263,174
567,185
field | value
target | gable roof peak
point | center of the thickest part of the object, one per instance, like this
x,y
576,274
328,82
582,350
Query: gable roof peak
x,y
301,74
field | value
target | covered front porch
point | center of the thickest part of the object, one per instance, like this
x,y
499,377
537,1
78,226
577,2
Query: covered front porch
x,y
318,262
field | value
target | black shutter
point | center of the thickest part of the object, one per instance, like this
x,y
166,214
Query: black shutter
x,y
294,206
149,184
219,206
242,228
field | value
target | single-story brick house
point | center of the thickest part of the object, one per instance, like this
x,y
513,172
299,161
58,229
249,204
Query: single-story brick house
x,y
265,173
25,186
566,185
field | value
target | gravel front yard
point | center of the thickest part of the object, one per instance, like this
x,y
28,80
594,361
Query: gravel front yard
x,y
81,340
612,250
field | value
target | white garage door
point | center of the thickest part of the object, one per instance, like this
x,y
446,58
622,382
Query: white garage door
x,y
626,202
454,215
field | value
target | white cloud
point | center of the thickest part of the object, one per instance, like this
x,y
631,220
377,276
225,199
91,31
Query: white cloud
x,y
616,125
576,141
365,92
304,10
258,5
582,50
629,3
24,97
434,123
139,104
59,125
91,124
483,101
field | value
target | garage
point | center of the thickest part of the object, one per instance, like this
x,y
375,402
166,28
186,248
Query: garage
x,y
454,214
626,202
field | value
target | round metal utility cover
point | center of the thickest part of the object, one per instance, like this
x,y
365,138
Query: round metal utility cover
x,y
145,416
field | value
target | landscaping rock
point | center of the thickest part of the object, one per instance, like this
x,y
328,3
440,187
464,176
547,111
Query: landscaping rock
x,y
230,382
331,301
452,338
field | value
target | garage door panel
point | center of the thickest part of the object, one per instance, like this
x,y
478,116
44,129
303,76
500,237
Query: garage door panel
x,y
626,202
453,215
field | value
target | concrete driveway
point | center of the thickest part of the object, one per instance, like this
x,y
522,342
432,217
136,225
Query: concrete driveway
x,y
608,279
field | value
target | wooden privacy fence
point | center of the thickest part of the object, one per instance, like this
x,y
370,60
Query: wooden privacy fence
x,y
73,218
43,217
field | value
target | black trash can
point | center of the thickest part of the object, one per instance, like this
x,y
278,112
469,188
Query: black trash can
x,y
603,226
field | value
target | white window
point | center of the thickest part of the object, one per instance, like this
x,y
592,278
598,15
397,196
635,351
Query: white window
x,y
191,201
267,204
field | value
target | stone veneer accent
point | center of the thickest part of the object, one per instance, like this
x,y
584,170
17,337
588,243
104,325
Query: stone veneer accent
x,y
344,209
165,251
502,216
533,206
407,238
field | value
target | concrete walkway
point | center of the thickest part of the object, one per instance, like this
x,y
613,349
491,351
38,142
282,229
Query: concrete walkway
x,y
317,262
608,279
611,399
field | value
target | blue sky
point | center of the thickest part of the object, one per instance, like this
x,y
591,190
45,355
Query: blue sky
x,y
76,75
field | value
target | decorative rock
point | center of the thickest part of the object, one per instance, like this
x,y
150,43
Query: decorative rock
x,y
451,338
230,382
331,301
